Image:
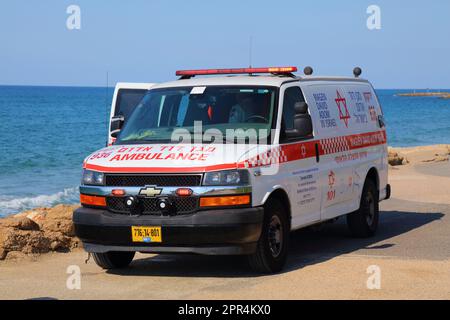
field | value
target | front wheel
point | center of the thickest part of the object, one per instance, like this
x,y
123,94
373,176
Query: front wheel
x,y
271,251
364,222
113,259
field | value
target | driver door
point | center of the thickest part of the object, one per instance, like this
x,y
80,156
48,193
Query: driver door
x,y
300,174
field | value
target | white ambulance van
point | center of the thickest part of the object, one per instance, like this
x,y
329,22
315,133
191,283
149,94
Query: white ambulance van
x,y
230,163
126,97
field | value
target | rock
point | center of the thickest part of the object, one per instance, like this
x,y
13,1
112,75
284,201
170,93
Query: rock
x,y
10,222
75,243
419,154
3,254
64,227
14,240
37,215
437,158
26,241
59,219
64,211
15,255
59,242
27,224
21,222
38,231
55,245
3,235
441,158
37,243
394,159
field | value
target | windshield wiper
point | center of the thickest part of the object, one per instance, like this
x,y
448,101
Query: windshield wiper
x,y
144,141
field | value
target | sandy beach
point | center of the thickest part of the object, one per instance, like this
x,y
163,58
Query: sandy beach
x,y
411,250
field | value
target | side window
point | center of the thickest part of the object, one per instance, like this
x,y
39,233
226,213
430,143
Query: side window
x,y
127,100
292,95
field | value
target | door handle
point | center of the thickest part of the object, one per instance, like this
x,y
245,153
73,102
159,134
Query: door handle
x,y
317,152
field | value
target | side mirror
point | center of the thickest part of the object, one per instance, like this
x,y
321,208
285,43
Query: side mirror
x,y
302,122
301,108
116,125
381,122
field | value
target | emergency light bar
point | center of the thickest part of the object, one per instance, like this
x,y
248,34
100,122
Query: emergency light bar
x,y
277,70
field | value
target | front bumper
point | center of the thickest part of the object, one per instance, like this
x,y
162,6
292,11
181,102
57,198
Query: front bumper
x,y
215,232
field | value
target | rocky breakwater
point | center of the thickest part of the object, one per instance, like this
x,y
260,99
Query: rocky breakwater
x,y
418,155
38,231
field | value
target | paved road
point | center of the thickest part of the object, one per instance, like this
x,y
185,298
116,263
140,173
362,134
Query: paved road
x,y
435,169
412,248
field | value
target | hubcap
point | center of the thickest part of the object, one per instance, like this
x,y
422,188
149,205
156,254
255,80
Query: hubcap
x,y
370,216
275,236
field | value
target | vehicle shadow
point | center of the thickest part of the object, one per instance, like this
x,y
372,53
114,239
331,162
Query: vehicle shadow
x,y
307,247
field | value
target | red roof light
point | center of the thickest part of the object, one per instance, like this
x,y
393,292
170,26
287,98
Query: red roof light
x,y
236,71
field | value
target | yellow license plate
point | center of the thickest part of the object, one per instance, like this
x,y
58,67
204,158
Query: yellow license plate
x,y
146,234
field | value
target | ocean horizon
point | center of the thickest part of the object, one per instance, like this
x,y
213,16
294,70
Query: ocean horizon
x,y
49,130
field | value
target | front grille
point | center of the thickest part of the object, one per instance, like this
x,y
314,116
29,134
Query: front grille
x,y
188,180
182,205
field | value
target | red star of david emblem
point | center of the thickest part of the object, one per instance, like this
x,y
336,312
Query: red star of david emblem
x,y
331,178
343,112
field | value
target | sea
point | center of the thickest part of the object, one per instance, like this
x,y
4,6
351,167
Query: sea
x,y
46,132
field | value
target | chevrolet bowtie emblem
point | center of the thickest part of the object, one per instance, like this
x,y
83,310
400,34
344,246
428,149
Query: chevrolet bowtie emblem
x,y
150,191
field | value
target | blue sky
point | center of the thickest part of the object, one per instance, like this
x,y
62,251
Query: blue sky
x,y
148,40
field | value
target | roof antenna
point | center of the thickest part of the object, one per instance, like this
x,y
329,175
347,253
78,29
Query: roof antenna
x,y
250,51
106,108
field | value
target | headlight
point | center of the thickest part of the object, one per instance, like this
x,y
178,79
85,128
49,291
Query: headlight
x,y
226,178
93,177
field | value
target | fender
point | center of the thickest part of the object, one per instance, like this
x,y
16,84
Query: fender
x,y
272,190
366,173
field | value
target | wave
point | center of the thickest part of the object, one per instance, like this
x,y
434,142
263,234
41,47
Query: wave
x,y
11,206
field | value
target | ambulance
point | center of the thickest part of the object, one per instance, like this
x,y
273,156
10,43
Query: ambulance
x,y
230,161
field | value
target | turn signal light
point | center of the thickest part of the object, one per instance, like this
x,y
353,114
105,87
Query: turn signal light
x,y
92,200
225,201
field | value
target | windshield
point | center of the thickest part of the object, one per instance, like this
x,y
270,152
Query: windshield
x,y
224,110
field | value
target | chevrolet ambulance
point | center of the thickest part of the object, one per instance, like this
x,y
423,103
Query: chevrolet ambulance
x,y
229,161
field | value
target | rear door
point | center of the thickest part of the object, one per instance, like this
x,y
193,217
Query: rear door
x,y
126,97
368,133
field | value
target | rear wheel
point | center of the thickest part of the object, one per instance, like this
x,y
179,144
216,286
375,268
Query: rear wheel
x,y
364,222
113,259
271,252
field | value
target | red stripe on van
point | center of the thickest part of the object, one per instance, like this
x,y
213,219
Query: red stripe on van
x,y
351,142
281,154
159,169
326,146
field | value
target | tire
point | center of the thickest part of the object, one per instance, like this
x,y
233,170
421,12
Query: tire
x,y
271,251
364,222
113,259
